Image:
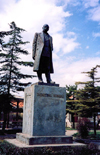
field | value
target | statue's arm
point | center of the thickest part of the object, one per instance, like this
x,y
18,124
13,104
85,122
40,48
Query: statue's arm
x,y
51,43
34,45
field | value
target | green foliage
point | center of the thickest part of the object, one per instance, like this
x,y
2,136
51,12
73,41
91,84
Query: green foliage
x,y
68,128
70,104
90,135
10,74
83,127
85,101
8,149
2,35
88,98
70,95
95,137
70,90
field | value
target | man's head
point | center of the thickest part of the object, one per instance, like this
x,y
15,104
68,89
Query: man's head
x,y
45,28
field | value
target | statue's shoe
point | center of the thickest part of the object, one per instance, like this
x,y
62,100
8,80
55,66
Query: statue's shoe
x,y
40,81
52,82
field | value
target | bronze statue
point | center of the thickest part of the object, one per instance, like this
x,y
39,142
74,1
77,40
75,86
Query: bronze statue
x,y
42,54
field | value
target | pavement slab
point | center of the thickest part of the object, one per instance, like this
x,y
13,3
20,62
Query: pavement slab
x,y
22,145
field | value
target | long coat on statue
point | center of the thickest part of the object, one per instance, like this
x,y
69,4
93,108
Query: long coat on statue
x,y
37,47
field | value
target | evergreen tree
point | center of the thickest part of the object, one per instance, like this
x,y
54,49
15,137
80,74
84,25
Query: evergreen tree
x,y
10,74
2,35
1,40
70,91
88,98
70,104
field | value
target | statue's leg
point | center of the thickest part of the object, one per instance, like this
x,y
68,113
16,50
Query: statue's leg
x,y
39,74
48,78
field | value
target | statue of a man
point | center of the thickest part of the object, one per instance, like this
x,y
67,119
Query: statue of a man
x,y
42,54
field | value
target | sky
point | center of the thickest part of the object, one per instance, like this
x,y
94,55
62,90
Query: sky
x,y
74,26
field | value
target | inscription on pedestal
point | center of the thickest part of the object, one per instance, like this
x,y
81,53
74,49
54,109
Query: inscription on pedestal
x,y
44,111
50,95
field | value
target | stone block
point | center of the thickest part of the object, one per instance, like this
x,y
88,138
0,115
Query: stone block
x,y
36,140
44,110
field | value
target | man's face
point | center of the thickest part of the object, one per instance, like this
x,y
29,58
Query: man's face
x,y
45,28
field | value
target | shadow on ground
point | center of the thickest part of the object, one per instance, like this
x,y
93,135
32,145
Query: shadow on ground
x,y
9,133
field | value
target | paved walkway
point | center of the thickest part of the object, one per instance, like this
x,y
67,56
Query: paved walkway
x,y
70,132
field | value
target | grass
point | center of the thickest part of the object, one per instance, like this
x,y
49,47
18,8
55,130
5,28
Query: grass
x,y
92,132
90,136
67,128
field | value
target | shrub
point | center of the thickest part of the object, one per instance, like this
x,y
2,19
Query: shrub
x,y
83,127
8,149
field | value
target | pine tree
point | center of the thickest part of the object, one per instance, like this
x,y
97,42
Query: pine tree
x,y
1,39
88,98
3,97
2,35
10,74
70,104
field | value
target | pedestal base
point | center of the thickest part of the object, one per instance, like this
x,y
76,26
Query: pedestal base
x,y
44,110
36,140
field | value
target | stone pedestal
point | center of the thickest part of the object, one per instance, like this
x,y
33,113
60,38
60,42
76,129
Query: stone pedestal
x,y
44,115
36,140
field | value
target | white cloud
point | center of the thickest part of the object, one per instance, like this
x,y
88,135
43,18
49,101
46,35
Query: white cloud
x,y
87,47
98,53
96,34
68,72
93,9
65,42
31,15
94,14
90,3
